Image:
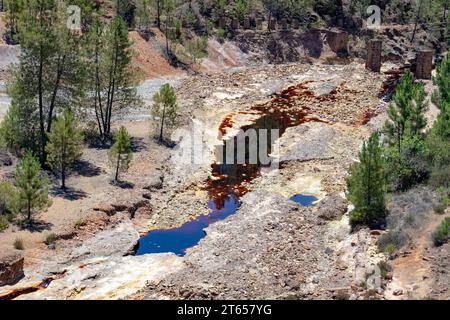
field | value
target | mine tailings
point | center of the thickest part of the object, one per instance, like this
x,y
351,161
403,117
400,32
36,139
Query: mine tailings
x,y
33,288
229,181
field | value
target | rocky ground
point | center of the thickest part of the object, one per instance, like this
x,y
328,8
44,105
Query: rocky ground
x,y
272,247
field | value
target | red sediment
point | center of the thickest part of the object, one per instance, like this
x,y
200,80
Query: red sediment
x,y
39,286
281,112
226,124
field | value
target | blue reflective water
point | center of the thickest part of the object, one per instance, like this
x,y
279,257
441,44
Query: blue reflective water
x,y
177,240
304,200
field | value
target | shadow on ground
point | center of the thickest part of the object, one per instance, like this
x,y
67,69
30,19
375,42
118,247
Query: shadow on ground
x,y
36,226
122,184
69,193
86,169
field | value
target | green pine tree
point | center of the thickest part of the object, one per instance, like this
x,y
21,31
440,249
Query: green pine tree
x,y
406,112
366,185
165,108
120,154
12,9
49,76
110,73
441,97
65,145
438,139
32,187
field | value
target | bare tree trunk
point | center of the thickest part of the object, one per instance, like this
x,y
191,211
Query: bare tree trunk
x,y
158,13
41,106
417,20
116,178
162,124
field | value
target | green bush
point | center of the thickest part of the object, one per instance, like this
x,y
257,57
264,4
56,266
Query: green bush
x,y
50,239
7,198
439,208
439,159
18,244
220,33
440,236
385,269
391,241
4,223
80,223
390,249
409,167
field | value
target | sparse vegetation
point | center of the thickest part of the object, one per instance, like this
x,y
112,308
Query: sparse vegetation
x,y
64,145
32,187
441,235
165,108
4,223
385,269
120,154
18,244
50,239
80,223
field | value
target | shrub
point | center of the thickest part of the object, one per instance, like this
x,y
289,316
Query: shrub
x,y
391,241
385,269
3,223
18,244
409,167
50,239
440,236
220,33
439,160
439,208
80,223
8,198
390,249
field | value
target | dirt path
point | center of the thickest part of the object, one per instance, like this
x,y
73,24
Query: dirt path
x,y
412,270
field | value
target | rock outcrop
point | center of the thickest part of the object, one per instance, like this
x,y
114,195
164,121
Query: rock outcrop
x,y
332,207
11,268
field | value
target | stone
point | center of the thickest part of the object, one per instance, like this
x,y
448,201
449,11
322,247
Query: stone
x,y
332,207
373,61
398,292
338,42
11,269
424,64
118,241
375,232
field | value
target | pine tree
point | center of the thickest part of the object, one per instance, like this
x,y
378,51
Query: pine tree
x,y
406,112
110,73
49,75
65,144
32,187
438,139
12,10
120,154
366,184
165,107
168,10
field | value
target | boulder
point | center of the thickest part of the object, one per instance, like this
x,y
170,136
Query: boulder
x,y
332,207
11,269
